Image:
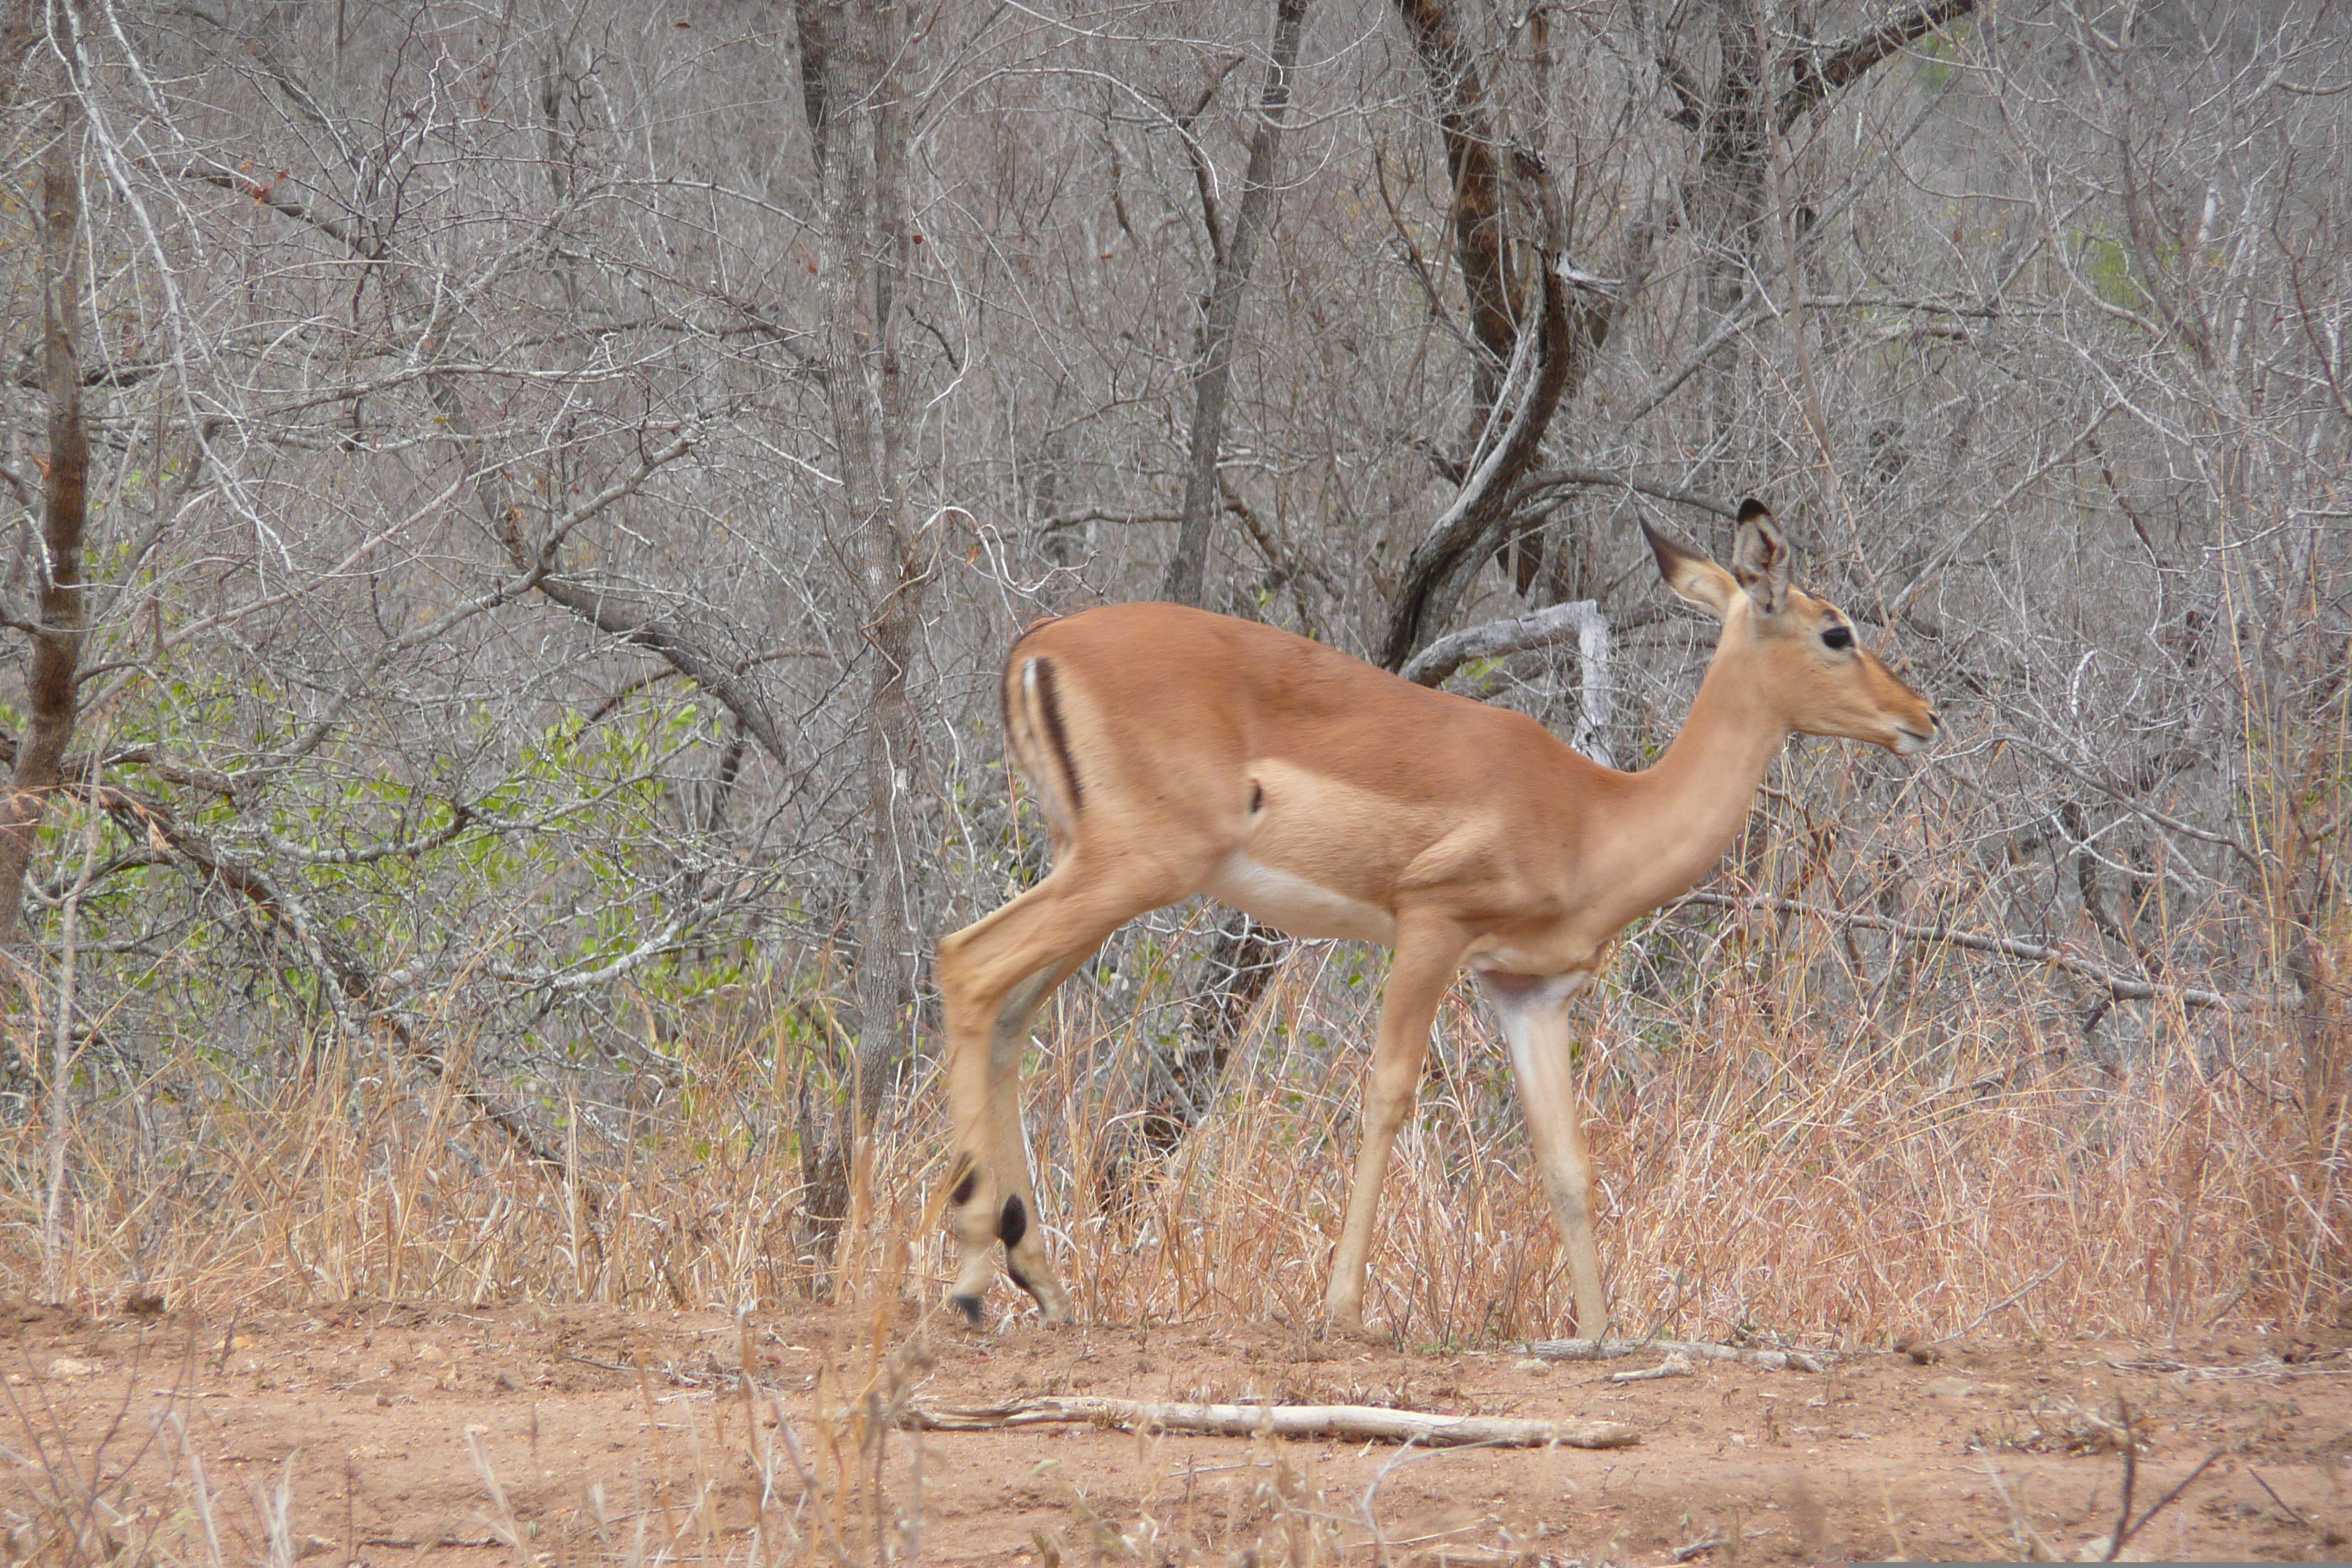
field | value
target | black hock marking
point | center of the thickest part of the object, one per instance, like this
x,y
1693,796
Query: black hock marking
x,y
962,1194
1056,733
1022,1280
1257,798
1016,1223
969,1306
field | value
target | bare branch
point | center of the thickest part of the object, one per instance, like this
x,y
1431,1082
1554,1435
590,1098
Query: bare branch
x,y
2119,987
1821,72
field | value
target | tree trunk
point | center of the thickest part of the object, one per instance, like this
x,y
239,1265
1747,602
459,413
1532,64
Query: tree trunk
x,y
1730,208
1562,340
850,54
1463,120
1234,973
50,688
1187,566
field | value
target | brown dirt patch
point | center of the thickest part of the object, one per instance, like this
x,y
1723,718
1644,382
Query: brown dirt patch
x,y
375,1433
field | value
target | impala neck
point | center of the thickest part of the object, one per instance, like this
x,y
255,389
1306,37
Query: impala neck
x,y
1675,819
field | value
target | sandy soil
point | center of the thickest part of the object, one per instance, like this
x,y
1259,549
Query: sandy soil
x,y
395,1434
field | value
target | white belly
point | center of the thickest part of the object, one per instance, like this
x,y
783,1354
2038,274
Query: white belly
x,y
1293,904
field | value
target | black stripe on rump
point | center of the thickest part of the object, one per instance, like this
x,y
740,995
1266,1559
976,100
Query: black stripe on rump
x,y
1059,736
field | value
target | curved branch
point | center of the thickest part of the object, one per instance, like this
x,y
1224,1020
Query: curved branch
x,y
1458,535
1499,639
1582,620
1851,57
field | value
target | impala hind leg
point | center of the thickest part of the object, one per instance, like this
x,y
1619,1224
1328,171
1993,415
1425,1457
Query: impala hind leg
x,y
994,974
1417,981
1007,1211
1535,1020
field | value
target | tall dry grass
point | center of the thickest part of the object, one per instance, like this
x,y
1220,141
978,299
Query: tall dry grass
x,y
1799,1128
1840,1179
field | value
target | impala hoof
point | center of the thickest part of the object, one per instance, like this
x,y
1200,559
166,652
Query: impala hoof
x,y
973,1316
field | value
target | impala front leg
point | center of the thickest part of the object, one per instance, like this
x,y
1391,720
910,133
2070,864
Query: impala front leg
x,y
1426,962
1534,1012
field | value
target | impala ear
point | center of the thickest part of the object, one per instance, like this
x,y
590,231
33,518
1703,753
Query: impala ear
x,y
1693,578
1760,559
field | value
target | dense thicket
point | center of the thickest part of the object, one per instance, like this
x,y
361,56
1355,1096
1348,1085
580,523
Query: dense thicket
x,y
561,476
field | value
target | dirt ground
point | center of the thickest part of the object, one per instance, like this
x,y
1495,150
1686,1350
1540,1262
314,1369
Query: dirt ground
x,y
399,1434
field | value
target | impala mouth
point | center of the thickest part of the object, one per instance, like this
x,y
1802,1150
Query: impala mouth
x,y
1910,742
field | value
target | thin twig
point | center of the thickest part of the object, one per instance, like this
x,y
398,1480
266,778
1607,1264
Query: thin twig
x,y
2122,988
2131,1475
2291,1510
2006,1302
2161,1503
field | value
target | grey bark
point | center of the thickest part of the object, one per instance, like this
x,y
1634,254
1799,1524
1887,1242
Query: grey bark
x,y
1187,575
1596,700
852,56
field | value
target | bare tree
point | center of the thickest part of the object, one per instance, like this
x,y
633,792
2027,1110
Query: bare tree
x,y
57,628
855,69
548,546
1234,252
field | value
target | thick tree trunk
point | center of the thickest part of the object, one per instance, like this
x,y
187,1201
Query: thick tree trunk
x,y
1242,954
850,56
49,688
1730,208
1465,123
1558,345
1187,575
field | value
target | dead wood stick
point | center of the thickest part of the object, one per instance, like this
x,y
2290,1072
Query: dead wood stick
x,y
1348,1421
1611,1350
1677,1364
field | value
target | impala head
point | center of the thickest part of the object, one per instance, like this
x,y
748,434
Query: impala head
x,y
1801,650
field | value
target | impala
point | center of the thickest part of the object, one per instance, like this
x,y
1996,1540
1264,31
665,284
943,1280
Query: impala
x,y
1179,752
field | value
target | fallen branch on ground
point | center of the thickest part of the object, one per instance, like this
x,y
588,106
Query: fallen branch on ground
x,y
2263,1366
1363,1422
1611,1350
1677,1364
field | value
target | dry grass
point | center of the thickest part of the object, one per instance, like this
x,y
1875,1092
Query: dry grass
x,y
1905,1177
1799,1131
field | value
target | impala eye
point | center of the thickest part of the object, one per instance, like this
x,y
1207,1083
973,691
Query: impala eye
x,y
1838,637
